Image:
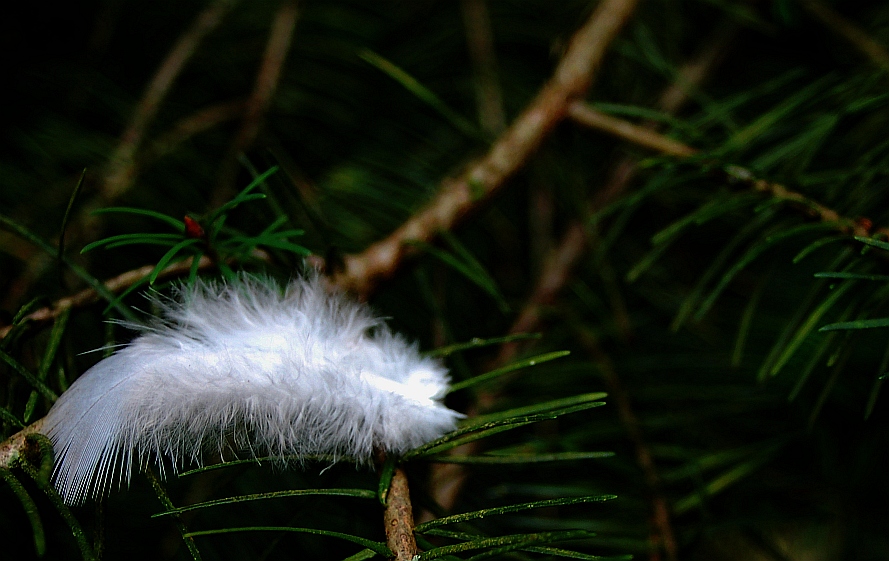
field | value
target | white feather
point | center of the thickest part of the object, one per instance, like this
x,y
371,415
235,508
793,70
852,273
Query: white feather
x,y
246,366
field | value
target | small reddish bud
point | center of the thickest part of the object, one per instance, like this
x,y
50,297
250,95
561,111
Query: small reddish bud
x,y
193,229
865,224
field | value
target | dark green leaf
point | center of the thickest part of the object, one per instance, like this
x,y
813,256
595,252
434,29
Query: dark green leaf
x,y
362,555
477,342
386,473
481,378
453,519
244,196
494,423
377,547
720,483
67,215
164,498
423,93
93,282
872,242
857,324
177,225
503,544
74,527
168,256
817,244
520,459
359,493
853,276
123,239
38,385
808,325
30,510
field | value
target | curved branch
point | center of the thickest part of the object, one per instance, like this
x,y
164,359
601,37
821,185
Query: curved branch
x,y
483,179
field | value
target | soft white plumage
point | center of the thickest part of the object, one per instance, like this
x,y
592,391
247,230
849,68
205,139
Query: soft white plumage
x,y
247,366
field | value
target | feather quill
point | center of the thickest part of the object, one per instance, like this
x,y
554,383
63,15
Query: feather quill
x,y
246,365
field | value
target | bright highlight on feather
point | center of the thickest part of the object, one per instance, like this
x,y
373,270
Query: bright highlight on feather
x,y
245,366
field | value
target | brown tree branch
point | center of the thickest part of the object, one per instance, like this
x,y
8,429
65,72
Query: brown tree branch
x,y
117,284
483,179
122,165
398,518
11,448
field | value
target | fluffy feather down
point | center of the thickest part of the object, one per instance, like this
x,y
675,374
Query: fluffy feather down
x,y
244,365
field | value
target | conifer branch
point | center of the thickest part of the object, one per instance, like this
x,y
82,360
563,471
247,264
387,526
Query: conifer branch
x,y
570,81
589,117
458,196
483,179
559,266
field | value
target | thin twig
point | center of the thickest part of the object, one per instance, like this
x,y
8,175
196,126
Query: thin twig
x,y
121,282
737,174
189,126
641,136
480,42
122,166
859,38
399,518
483,179
277,47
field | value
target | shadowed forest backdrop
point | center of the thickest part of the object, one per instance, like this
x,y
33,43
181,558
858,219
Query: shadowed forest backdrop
x,y
689,196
